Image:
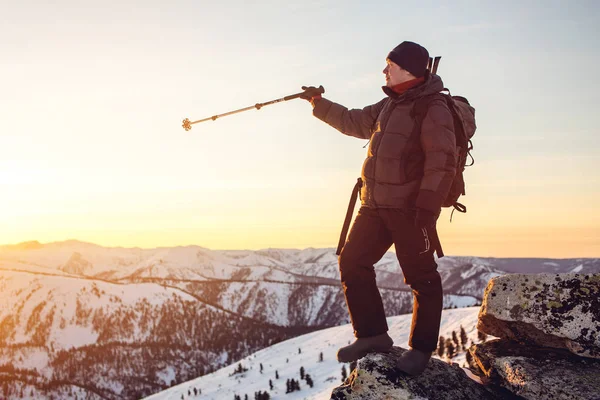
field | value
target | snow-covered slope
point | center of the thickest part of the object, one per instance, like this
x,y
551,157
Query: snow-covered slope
x,y
66,312
304,351
119,341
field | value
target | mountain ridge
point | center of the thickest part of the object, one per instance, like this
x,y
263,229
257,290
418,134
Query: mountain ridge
x,y
136,312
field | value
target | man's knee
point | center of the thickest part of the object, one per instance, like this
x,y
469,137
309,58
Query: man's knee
x,y
346,264
420,268
430,285
425,278
351,269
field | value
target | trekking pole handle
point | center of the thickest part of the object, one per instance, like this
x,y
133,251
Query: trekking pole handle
x,y
187,124
321,90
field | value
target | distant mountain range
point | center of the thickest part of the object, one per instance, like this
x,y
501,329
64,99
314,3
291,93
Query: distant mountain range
x,y
128,322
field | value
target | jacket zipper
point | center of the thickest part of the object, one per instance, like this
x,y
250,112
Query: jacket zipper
x,y
383,130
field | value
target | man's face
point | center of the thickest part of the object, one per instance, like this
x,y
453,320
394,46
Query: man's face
x,y
395,75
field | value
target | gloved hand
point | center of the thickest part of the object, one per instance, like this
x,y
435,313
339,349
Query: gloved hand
x,y
425,218
311,92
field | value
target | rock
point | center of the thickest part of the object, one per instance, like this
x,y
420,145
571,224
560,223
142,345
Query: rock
x,y
375,378
549,310
536,372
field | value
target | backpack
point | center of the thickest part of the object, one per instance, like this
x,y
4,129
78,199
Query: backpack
x,y
464,129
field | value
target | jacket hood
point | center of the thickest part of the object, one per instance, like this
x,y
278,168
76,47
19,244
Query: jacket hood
x,y
433,84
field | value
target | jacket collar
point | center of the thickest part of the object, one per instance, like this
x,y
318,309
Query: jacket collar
x,y
432,84
404,86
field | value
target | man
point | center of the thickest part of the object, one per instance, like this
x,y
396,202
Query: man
x,y
406,176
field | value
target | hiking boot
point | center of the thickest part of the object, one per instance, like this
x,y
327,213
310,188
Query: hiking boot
x,y
361,346
413,362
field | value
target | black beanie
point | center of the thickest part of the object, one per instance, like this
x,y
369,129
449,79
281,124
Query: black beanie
x,y
411,57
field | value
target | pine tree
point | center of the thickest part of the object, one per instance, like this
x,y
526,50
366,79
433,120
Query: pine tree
x,y
450,350
296,384
321,357
246,396
288,386
299,350
195,392
456,341
344,373
463,337
441,347
309,380
271,384
276,374
182,397
261,368
301,372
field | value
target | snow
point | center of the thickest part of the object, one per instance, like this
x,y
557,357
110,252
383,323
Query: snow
x,y
285,358
35,358
60,296
469,272
167,375
551,264
452,300
199,263
577,269
272,273
275,299
73,336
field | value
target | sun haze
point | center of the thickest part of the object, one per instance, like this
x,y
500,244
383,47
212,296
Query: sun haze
x,y
94,94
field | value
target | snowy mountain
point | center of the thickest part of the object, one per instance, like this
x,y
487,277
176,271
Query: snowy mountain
x,y
286,358
114,340
81,319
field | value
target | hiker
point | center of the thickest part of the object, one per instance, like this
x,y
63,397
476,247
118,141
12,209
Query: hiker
x,y
406,176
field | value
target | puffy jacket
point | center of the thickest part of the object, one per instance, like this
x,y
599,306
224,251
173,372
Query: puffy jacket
x,y
403,168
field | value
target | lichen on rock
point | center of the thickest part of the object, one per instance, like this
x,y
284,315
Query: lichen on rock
x,y
539,373
554,310
376,377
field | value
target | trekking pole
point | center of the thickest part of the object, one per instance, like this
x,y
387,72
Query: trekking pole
x,y
436,63
187,124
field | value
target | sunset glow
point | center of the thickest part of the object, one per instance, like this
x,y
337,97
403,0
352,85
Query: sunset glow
x,y
92,147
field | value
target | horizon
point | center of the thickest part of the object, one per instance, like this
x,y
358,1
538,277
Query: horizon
x,y
391,250
93,147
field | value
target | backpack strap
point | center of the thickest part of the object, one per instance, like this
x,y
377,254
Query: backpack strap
x,y
458,207
422,104
349,212
418,112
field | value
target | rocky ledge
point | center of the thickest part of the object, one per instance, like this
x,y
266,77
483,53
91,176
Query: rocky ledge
x,y
548,347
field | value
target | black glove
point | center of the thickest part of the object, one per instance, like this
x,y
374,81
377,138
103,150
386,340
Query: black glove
x,y
425,218
310,92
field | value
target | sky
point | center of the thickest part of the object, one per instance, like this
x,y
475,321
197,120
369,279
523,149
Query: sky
x,y
93,95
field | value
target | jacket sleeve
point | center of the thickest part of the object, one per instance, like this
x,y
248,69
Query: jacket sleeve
x,y
439,146
356,122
